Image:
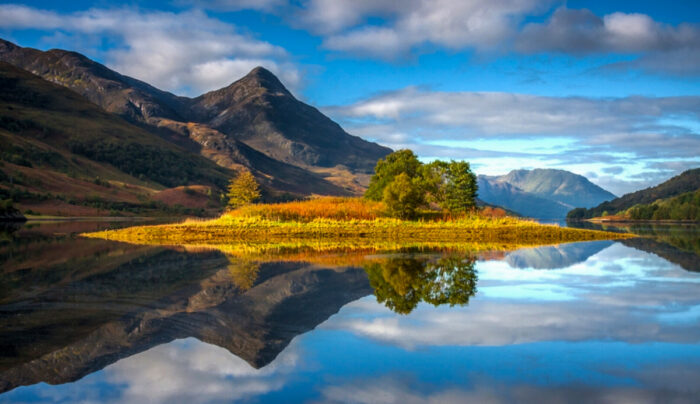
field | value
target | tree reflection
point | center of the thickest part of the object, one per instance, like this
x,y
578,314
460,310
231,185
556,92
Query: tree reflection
x,y
243,272
403,282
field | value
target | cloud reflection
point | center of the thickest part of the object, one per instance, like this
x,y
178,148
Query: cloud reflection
x,y
635,302
188,370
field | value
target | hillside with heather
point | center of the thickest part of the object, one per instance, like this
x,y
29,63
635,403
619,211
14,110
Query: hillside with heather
x,y
686,182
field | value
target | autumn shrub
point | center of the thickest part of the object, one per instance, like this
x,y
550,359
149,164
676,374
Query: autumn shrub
x,y
324,208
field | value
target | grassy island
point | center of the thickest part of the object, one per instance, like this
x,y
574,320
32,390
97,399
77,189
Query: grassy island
x,y
339,223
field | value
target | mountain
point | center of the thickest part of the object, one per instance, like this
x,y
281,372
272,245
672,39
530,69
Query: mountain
x,y
688,181
262,113
558,185
254,114
122,95
541,193
515,199
62,154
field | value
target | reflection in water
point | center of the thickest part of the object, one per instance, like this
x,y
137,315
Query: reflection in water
x,y
553,257
678,243
403,282
170,325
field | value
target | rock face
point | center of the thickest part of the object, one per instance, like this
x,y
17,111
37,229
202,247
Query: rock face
x,y
541,193
256,112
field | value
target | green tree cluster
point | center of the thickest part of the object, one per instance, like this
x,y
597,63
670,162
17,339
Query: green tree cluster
x,y
403,282
405,184
682,207
242,190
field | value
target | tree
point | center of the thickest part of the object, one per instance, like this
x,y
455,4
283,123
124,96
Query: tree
x,y
451,185
402,197
460,187
242,190
401,161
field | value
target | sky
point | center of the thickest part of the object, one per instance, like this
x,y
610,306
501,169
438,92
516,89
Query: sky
x,y
605,89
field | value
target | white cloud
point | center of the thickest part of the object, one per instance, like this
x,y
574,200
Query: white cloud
x,y
391,30
186,52
663,48
234,5
609,131
445,23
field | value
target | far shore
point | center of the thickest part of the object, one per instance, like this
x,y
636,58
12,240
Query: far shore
x,y
628,221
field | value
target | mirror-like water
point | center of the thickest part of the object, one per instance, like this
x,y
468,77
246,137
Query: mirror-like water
x,y
84,320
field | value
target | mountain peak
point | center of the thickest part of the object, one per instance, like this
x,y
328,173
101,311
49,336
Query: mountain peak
x,y
266,79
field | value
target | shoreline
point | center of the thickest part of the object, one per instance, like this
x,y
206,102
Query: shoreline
x,y
253,230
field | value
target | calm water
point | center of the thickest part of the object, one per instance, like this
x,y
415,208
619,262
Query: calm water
x,y
96,321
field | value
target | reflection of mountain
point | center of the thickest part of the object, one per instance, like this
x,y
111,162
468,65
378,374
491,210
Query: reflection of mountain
x,y
553,257
686,260
679,244
98,302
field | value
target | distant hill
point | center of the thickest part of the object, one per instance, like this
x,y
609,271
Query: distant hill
x,y
254,123
515,199
559,185
541,193
688,181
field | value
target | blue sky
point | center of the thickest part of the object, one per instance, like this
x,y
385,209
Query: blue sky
x,y
607,89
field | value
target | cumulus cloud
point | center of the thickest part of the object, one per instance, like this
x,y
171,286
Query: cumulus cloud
x,y
663,48
186,52
390,30
445,23
235,5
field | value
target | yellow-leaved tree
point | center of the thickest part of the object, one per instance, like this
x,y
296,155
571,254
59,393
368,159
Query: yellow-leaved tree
x,y
242,190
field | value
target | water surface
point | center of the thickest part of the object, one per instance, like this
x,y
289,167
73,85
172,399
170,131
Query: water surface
x,y
84,320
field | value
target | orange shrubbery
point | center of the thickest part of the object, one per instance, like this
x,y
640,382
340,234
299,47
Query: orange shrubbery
x,y
343,209
325,208
488,211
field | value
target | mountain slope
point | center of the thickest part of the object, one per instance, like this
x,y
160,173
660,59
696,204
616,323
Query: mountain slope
x,y
261,112
257,111
122,95
57,147
513,198
687,181
558,185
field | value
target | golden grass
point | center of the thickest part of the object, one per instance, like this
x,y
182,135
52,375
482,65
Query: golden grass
x,y
319,208
331,224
